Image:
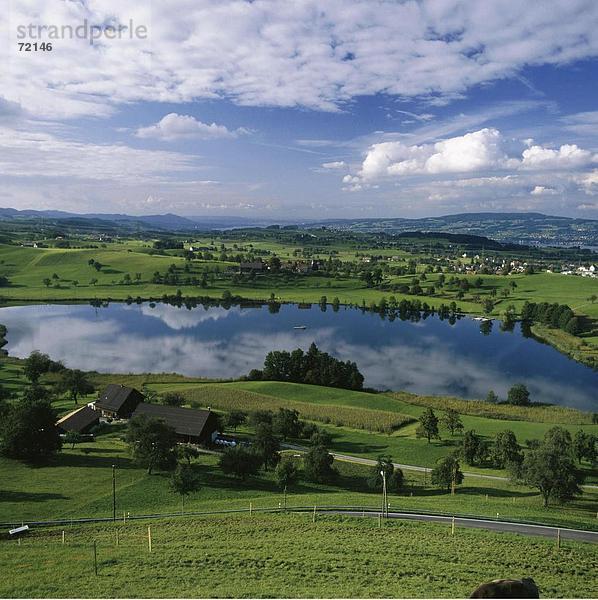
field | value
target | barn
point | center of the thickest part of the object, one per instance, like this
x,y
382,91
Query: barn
x,y
81,420
118,401
191,425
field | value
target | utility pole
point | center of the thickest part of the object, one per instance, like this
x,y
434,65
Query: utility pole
x,y
114,492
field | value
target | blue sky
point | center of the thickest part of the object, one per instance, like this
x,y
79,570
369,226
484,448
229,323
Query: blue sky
x,y
308,109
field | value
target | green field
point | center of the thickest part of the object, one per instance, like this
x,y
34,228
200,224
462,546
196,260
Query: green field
x,y
220,556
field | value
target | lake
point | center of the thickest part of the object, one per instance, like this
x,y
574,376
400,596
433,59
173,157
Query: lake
x,y
429,356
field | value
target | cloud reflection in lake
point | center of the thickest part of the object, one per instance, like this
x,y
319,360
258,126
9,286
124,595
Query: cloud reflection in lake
x,y
428,357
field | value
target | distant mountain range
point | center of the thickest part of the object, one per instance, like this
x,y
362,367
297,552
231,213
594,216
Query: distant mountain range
x,y
523,228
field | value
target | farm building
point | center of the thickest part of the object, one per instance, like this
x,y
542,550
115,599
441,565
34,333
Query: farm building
x,y
81,420
252,267
118,401
191,425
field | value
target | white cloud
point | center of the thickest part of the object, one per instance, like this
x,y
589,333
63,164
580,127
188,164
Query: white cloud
x,y
585,123
337,164
568,156
540,190
175,127
37,153
470,152
589,181
289,54
482,150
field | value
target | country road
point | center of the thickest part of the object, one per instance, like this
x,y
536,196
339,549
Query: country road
x,y
578,535
370,462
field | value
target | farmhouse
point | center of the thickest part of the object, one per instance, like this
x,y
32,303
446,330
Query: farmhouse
x,y
81,420
118,401
191,425
252,267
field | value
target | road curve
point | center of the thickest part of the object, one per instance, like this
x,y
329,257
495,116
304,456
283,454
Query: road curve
x,y
578,535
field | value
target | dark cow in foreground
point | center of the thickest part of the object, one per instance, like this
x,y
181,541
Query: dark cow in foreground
x,y
507,588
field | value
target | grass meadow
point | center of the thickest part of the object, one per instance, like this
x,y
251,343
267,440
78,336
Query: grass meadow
x,y
220,556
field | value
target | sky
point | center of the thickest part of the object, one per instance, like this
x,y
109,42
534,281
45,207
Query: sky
x,y
300,109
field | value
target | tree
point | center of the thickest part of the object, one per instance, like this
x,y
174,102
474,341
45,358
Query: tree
x,y
72,438
260,416
446,472
47,281
428,425
239,462
236,418
320,437
473,448
518,395
266,445
286,423
492,397
552,471
286,473
317,465
452,421
75,383
173,399
152,443
187,452
36,364
584,446
28,431
559,438
394,475
183,481
505,451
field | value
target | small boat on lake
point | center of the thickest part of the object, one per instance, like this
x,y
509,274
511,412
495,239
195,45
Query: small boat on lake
x,y
300,327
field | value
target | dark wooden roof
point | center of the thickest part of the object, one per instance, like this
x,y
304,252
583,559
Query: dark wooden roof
x,y
185,421
79,419
115,396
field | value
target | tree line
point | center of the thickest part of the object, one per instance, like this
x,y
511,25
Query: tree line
x,y
313,367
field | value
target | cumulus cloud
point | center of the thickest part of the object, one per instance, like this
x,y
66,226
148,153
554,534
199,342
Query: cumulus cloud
x,y
470,152
290,54
176,127
482,150
568,156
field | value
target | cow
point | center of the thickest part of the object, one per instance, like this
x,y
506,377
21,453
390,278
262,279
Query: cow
x,y
507,588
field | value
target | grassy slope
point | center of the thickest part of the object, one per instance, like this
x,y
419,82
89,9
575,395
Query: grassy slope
x,y
334,557
402,445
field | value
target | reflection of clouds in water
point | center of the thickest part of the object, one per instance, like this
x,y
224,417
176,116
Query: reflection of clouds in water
x,y
429,364
438,370
182,318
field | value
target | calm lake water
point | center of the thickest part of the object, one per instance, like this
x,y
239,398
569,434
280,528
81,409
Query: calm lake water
x,y
427,357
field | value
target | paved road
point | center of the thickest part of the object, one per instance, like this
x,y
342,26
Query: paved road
x,y
521,528
370,462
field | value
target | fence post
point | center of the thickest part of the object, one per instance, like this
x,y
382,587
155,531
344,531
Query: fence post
x,y
117,537
379,519
313,520
453,526
95,557
250,508
149,538
558,539
63,537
